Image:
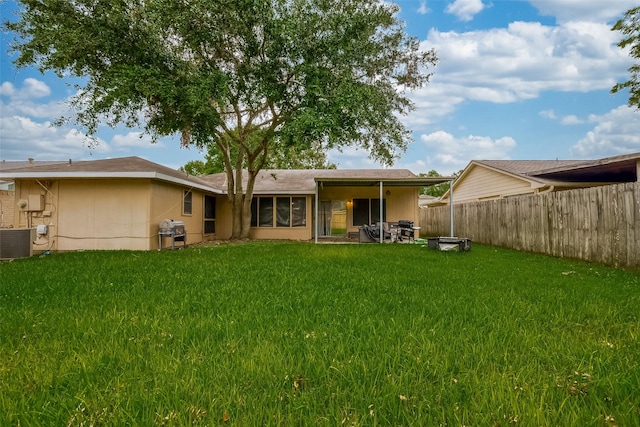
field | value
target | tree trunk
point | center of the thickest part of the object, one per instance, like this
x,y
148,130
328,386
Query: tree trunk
x,y
246,205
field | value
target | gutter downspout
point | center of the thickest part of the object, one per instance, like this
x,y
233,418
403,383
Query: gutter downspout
x,y
548,190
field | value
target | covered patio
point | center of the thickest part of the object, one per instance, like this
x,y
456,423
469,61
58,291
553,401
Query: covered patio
x,y
345,204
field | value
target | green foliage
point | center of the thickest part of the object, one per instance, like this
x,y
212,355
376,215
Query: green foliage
x,y
238,74
629,26
280,157
299,334
437,190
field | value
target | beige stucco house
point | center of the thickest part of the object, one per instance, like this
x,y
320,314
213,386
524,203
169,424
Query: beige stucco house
x,y
106,204
294,204
119,203
496,179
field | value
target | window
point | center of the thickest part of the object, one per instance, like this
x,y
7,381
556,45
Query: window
x,y
287,211
367,211
209,214
375,210
360,212
283,211
265,212
187,200
298,211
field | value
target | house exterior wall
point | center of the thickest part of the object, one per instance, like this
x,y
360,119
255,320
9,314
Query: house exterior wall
x,y
286,233
106,213
7,208
25,218
401,202
485,184
103,214
167,203
224,220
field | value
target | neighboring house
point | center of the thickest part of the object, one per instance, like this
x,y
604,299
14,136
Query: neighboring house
x,y
119,203
496,179
424,200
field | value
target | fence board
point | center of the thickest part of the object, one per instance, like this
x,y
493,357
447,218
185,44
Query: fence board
x,y
600,224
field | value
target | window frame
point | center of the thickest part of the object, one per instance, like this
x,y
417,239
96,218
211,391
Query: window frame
x,y
211,210
372,212
187,203
283,211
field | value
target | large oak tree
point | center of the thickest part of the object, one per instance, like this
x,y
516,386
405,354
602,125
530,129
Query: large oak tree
x,y
239,74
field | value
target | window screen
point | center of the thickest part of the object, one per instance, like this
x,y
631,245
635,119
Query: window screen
x,y
298,211
209,214
254,212
265,215
375,210
187,202
283,211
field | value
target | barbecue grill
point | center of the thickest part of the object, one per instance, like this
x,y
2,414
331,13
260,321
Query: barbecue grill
x,y
406,229
175,230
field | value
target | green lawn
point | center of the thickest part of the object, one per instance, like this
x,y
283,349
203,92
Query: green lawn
x,y
299,334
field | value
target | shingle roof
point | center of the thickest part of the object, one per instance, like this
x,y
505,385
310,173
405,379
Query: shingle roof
x,y
6,165
125,167
527,168
284,181
609,169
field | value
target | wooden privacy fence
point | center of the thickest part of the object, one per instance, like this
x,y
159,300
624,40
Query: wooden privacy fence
x,y
600,224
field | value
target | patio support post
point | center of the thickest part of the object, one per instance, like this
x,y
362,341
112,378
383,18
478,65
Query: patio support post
x,y
315,222
381,219
451,208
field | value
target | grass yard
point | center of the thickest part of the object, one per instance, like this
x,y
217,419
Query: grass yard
x,y
271,333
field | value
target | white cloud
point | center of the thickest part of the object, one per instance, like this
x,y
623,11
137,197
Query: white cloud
x,y
7,89
583,10
33,88
133,140
571,120
450,153
351,158
23,137
517,63
27,100
566,120
423,9
526,58
548,114
465,10
616,132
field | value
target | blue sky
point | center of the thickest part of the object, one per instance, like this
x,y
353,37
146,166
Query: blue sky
x,y
516,79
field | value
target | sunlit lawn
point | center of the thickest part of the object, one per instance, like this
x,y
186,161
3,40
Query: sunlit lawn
x,y
301,334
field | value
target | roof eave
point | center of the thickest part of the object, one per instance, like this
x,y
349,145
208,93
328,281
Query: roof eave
x,y
107,175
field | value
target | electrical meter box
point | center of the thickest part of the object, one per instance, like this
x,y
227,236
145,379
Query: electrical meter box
x,y
36,202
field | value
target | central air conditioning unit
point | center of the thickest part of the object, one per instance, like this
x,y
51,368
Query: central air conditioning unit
x,y
16,242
